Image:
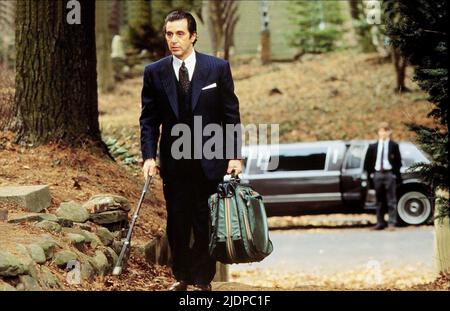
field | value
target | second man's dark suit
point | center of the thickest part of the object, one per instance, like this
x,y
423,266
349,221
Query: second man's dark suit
x,y
187,184
385,181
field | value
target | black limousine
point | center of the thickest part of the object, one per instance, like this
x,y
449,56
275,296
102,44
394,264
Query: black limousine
x,y
328,177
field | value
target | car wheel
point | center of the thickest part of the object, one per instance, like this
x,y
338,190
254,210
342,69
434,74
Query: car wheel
x,y
414,208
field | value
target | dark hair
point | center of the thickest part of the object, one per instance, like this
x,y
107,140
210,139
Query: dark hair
x,y
179,14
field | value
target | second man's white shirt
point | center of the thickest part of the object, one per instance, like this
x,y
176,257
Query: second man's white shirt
x,y
189,62
386,164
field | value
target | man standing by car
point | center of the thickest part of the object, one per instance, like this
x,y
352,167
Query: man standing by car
x,y
383,163
179,90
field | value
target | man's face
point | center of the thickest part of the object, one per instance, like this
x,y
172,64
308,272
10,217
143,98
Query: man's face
x,y
384,133
179,41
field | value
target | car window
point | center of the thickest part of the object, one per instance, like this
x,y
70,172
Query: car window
x,y
336,153
411,154
255,160
301,159
355,157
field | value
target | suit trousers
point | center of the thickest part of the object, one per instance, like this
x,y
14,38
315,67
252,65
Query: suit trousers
x,y
188,223
385,184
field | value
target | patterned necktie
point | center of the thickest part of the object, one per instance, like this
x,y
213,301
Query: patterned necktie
x,y
183,75
382,156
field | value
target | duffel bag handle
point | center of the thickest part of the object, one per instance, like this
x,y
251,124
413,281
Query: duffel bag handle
x,y
232,177
227,187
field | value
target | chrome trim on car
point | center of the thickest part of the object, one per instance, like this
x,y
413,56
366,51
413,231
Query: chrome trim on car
x,y
293,174
303,197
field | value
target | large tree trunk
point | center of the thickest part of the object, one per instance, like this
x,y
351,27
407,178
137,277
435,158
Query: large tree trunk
x,y
104,39
400,64
56,85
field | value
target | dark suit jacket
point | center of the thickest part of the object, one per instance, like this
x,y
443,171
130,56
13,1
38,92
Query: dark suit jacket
x,y
394,158
218,105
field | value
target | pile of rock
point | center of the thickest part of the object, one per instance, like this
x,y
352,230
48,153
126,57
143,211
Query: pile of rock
x,y
108,210
79,234
26,264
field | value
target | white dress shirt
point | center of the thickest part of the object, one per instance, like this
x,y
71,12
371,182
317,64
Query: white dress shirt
x,y
384,157
189,62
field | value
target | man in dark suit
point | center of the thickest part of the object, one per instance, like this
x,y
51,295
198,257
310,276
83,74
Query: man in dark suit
x,y
383,163
190,91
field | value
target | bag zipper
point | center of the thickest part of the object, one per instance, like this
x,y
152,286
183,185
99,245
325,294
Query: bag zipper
x,y
229,242
246,222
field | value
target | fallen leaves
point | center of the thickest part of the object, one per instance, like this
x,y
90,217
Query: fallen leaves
x,y
79,174
322,221
137,276
360,278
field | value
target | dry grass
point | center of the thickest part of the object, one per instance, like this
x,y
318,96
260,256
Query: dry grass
x,y
77,174
333,96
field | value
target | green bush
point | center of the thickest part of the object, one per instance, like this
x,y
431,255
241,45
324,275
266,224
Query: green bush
x,y
319,25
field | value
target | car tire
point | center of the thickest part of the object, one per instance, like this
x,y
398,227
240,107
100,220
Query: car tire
x,y
414,208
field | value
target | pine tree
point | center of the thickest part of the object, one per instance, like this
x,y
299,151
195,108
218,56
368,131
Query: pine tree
x,y
361,26
319,25
141,33
160,9
145,20
418,31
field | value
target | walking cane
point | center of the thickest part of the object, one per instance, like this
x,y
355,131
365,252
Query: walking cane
x,y
118,268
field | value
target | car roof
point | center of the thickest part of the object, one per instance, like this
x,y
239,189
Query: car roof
x,y
311,144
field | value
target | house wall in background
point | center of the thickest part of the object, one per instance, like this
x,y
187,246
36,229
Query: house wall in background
x,y
248,29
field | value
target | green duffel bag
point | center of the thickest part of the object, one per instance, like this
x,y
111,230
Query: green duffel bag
x,y
239,232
